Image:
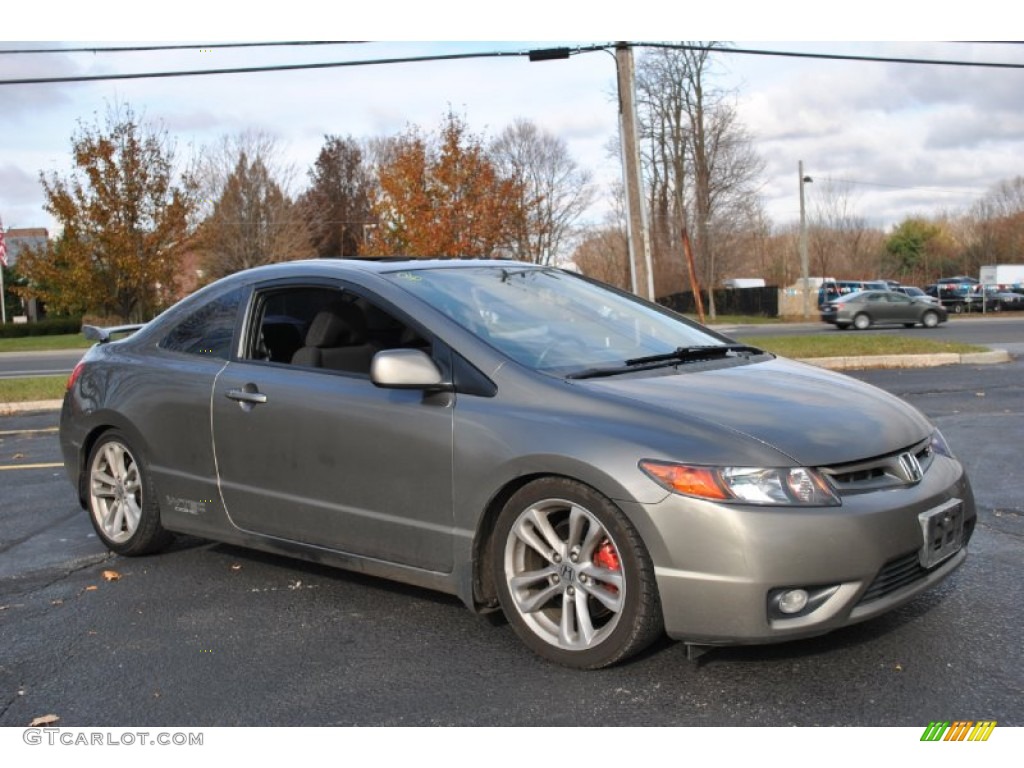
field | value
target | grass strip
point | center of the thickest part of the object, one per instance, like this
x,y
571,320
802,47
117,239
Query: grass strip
x,y
32,388
45,343
855,345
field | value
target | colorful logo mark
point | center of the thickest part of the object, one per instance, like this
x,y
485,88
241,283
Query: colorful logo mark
x,y
958,730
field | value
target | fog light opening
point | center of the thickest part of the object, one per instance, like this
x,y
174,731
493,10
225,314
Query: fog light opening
x,y
797,602
793,601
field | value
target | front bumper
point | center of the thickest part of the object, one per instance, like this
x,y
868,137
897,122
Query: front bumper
x,y
717,566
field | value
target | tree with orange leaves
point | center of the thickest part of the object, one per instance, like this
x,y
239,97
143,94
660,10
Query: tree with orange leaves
x,y
125,224
440,196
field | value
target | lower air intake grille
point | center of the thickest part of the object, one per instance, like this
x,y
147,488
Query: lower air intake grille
x,y
894,575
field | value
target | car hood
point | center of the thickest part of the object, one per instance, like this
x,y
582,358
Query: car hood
x,y
814,416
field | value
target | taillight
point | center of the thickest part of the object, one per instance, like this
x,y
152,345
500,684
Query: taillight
x,y
75,374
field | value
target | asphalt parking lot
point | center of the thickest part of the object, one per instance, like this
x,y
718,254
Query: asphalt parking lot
x,y
208,634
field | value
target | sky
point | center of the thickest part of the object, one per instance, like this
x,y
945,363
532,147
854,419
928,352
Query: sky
x,y
893,139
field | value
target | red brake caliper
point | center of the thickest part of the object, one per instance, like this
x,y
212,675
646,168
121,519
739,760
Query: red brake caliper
x,y
607,557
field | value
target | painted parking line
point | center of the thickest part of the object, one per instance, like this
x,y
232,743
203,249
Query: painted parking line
x,y
41,431
53,465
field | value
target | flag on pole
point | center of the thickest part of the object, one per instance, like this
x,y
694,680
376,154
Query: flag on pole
x,y
3,245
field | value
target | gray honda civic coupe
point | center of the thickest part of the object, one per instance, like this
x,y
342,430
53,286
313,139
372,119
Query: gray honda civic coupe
x,y
600,469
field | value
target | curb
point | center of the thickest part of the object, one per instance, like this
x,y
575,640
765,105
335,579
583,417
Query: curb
x,y
9,409
991,357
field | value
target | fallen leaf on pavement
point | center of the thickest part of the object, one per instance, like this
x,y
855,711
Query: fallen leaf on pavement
x,y
111,575
43,720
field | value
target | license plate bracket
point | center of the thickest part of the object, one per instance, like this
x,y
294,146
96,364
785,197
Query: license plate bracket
x,y
942,529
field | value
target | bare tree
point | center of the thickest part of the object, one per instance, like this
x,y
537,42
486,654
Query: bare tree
x,y
554,191
699,158
603,254
996,226
839,239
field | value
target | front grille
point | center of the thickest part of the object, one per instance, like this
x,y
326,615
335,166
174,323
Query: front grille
x,y
890,471
894,575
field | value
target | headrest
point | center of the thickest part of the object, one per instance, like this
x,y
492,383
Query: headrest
x,y
340,325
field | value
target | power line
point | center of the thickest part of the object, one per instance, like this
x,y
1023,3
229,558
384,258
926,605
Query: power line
x,y
536,55
837,56
292,67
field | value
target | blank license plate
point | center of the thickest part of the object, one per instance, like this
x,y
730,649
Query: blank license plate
x,y
943,530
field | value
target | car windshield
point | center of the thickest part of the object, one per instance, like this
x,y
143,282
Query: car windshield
x,y
552,320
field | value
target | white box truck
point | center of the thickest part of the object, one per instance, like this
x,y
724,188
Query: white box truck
x,y
1003,274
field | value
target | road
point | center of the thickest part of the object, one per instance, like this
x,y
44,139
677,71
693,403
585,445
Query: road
x,y
19,364
208,634
1003,331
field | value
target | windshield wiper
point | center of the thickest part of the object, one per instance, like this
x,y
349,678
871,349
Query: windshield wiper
x,y
704,352
678,355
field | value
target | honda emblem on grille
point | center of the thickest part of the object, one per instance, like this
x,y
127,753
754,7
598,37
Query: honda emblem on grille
x,y
911,467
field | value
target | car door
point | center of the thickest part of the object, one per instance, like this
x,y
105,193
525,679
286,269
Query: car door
x,y
322,456
903,309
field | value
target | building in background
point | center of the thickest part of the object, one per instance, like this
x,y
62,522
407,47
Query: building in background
x,y
17,240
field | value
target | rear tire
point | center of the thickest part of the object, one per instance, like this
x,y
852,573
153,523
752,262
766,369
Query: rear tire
x,y
122,504
861,322
574,578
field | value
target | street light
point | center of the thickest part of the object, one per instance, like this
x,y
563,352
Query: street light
x,y
805,267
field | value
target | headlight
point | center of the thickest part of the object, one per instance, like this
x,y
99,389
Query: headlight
x,y
790,486
940,446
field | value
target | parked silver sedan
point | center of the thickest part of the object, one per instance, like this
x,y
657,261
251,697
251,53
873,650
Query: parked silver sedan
x,y
598,468
864,309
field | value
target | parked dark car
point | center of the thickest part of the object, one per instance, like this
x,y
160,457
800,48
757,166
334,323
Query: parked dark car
x,y
597,467
955,297
990,298
864,309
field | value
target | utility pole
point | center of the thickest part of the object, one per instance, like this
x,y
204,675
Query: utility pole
x,y
641,273
3,264
805,268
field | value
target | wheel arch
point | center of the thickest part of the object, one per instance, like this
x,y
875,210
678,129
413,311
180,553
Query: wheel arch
x,y
105,423
485,596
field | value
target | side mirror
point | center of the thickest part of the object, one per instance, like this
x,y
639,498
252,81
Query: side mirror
x,y
405,369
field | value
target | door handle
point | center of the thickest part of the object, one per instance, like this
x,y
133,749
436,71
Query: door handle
x,y
245,396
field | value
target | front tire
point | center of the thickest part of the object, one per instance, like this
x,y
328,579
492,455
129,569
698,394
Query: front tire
x,y
930,320
573,576
122,504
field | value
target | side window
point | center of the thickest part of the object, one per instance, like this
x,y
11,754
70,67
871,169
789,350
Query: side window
x,y
324,328
209,329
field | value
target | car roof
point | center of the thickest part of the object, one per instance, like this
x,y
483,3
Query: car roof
x,y
343,267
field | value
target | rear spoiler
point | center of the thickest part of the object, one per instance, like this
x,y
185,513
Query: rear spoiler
x,y
102,335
